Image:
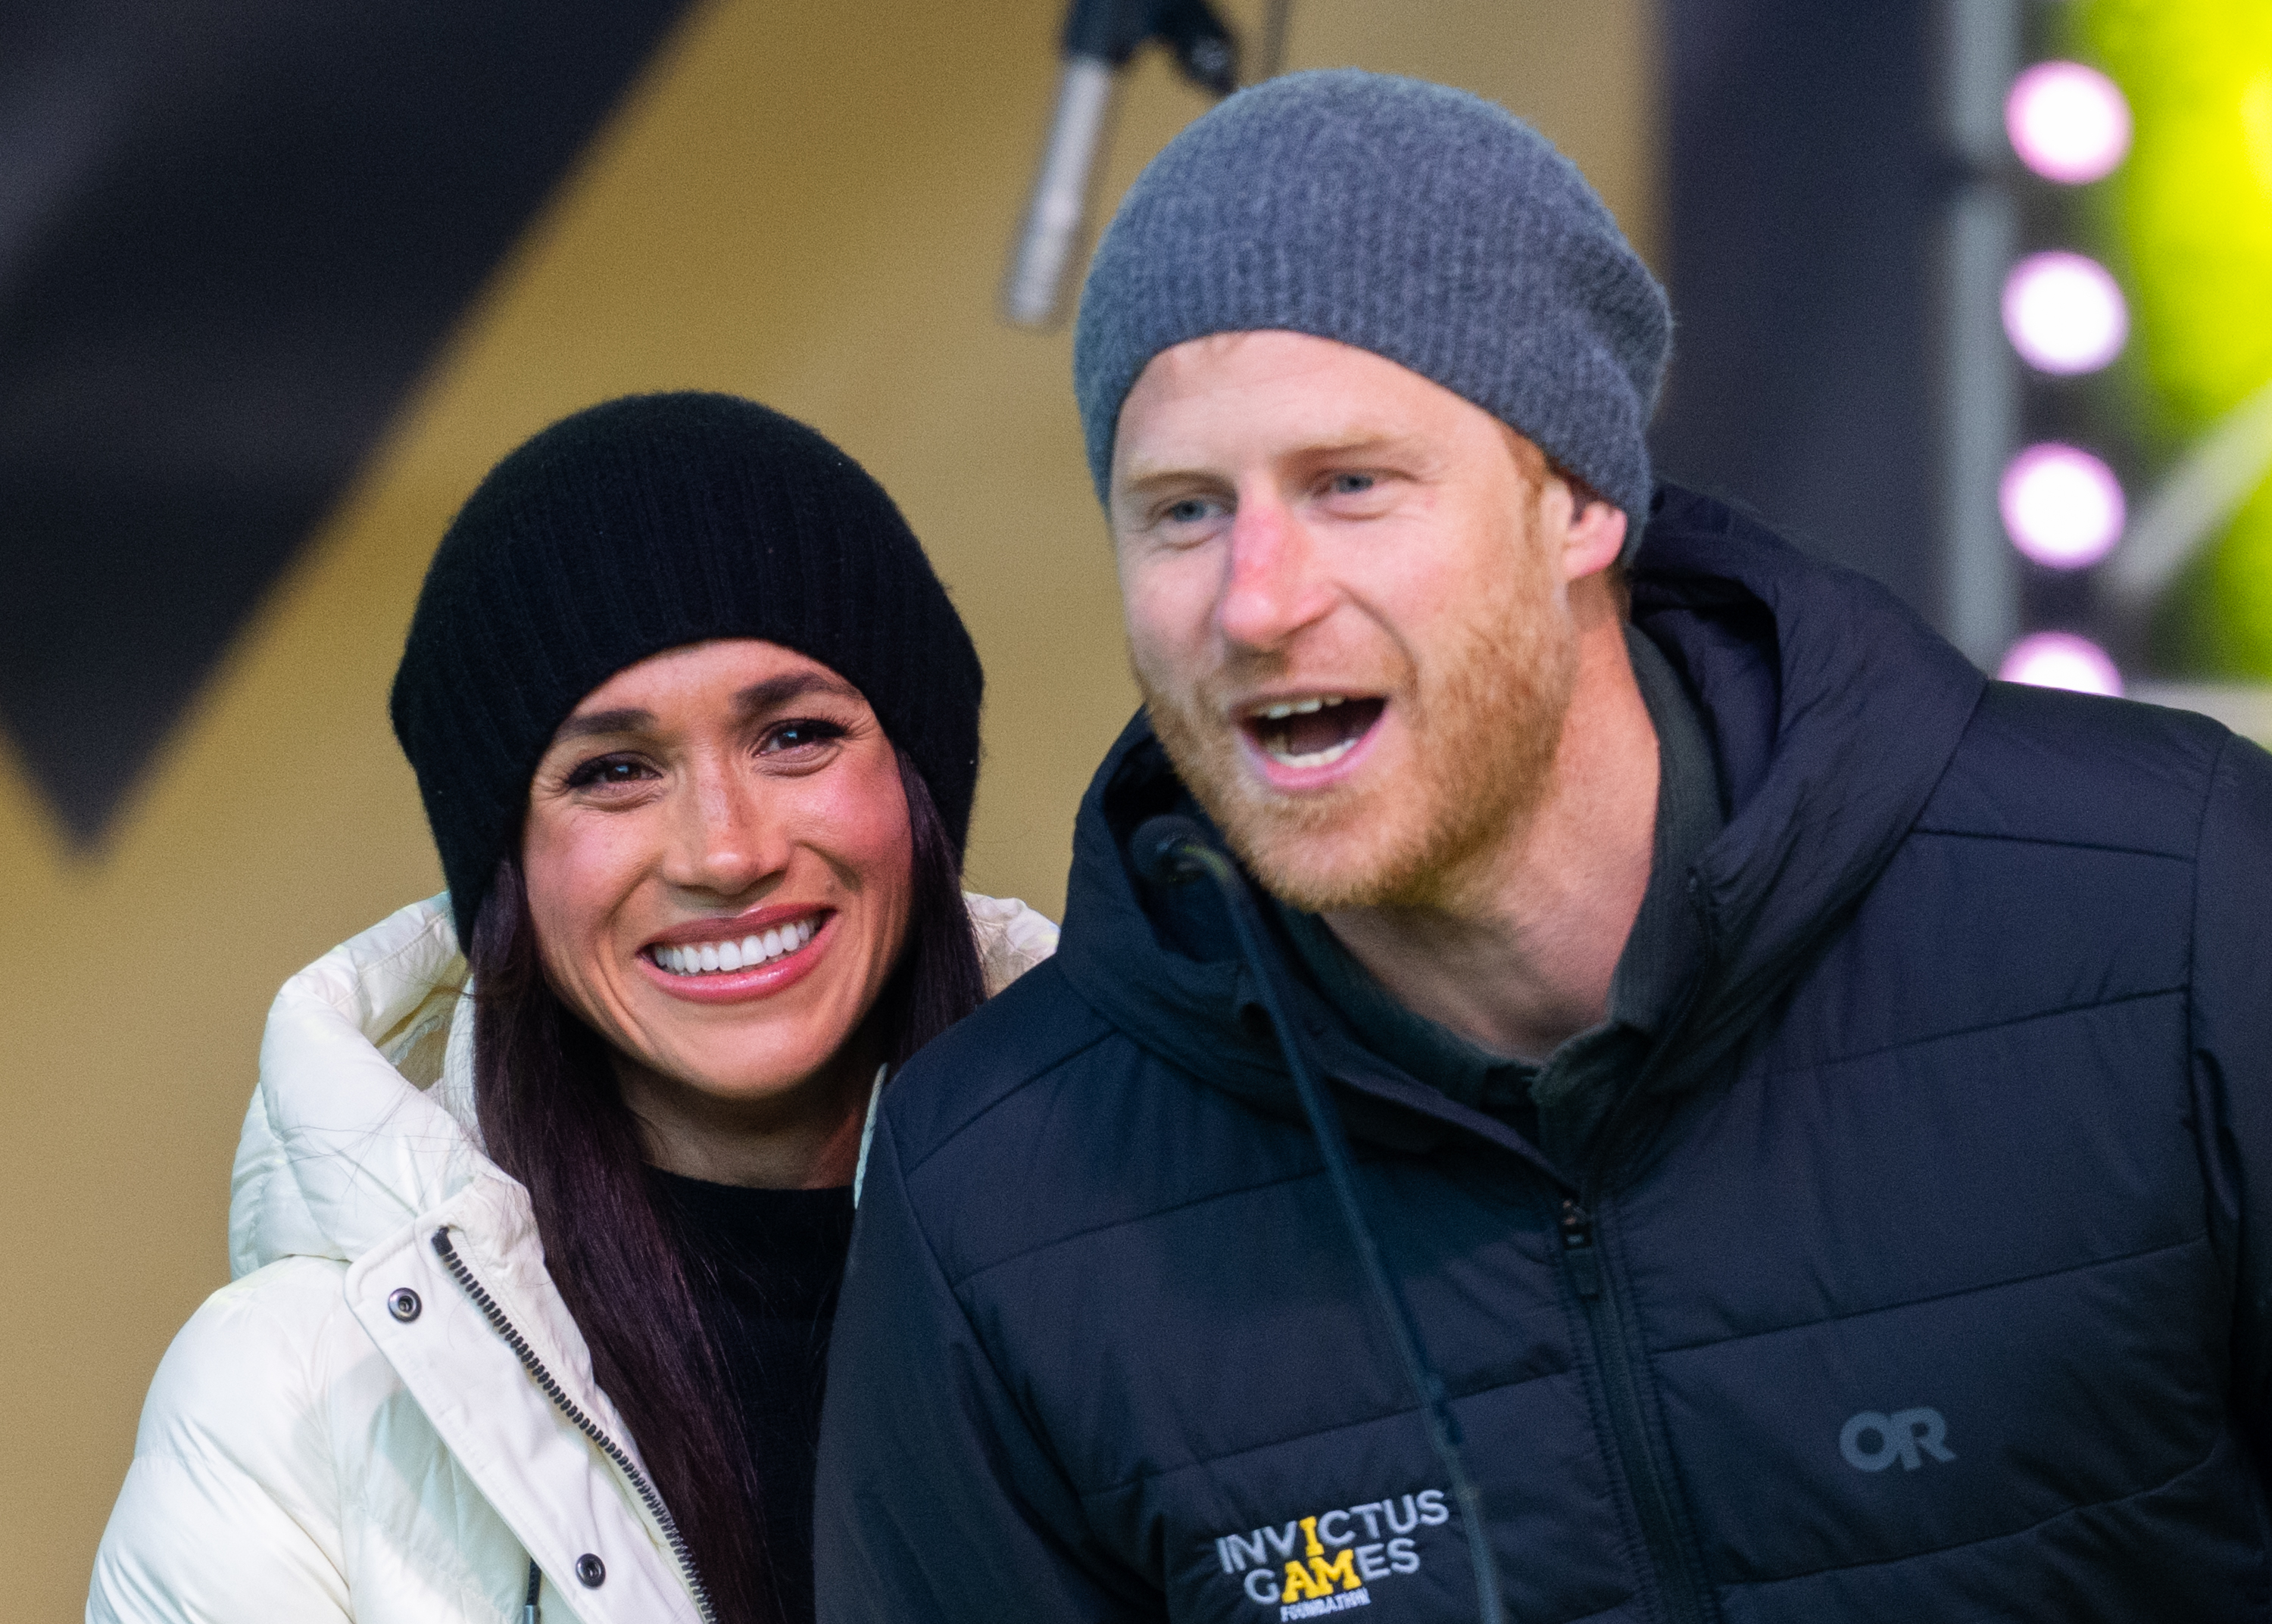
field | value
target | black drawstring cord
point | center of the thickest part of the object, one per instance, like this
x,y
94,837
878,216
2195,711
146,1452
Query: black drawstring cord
x,y
1170,850
528,1614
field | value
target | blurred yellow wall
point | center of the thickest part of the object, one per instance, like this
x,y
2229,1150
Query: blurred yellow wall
x,y
807,205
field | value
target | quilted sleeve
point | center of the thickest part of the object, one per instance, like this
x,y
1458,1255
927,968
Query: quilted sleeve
x,y
2232,1055
230,1512
936,1502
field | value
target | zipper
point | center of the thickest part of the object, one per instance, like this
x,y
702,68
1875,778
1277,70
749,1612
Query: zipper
x,y
583,1423
1684,1598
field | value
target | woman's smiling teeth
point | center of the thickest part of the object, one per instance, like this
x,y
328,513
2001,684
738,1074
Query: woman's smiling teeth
x,y
712,957
1315,731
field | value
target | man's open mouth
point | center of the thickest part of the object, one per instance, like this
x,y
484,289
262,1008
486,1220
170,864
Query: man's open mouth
x,y
1313,731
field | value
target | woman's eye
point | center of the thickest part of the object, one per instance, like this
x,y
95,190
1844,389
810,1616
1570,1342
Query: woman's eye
x,y
607,770
802,734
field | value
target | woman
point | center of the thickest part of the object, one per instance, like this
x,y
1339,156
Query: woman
x,y
535,1250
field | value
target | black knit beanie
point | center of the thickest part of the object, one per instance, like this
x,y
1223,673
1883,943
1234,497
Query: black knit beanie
x,y
645,524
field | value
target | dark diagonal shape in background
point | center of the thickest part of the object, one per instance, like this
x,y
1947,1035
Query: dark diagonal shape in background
x,y
231,236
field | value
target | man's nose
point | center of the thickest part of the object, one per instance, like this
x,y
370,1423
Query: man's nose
x,y
1272,587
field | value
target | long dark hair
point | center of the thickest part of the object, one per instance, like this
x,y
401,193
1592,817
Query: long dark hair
x,y
552,1116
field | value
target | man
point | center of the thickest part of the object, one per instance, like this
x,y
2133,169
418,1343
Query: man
x,y
1813,1101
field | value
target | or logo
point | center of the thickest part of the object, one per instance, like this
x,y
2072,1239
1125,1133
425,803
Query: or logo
x,y
1326,1564
1872,1440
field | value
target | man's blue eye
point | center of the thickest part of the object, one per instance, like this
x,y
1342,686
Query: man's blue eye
x,y
1352,484
1189,511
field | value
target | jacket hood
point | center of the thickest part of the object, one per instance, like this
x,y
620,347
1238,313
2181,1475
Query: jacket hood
x,y
364,1116
1832,710
364,1119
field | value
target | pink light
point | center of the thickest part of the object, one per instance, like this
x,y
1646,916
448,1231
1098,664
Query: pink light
x,y
2062,506
2063,313
2061,659
2068,123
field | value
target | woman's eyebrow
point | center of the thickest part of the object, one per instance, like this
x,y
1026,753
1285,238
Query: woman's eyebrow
x,y
759,696
777,691
603,721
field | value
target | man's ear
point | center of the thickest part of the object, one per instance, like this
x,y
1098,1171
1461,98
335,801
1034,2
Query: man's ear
x,y
1595,539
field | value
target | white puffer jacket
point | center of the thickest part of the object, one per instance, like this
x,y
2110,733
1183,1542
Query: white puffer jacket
x,y
388,1415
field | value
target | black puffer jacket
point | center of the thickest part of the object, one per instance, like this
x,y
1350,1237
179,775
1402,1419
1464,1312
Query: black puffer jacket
x,y
1924,1273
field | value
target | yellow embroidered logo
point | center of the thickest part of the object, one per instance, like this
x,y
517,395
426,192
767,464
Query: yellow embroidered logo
x,y
1320,1564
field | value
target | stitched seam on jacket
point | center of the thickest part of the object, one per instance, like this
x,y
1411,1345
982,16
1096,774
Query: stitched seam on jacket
x,y
907,1170
1129,1222
2193,921
1207,1462
418,943
1919,1303
2205,1149
2017,1533
1611,1612
2068,845
2115,1003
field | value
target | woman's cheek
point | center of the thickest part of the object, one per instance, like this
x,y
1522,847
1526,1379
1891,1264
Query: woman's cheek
x,y
582,872
860,827
859,820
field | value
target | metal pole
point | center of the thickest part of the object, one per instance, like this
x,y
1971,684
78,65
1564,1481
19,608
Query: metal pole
x,y
1050,237
1980,400
1277,20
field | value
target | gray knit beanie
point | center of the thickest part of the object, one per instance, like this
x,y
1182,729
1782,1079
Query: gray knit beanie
x,y
1417,221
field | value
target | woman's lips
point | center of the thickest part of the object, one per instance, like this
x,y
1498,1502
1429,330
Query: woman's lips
x,y
757,947
774,958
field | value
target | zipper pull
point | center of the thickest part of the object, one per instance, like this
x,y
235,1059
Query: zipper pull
x,y
1578,1246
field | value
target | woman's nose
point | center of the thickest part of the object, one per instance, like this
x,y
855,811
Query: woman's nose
x,y
724,839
